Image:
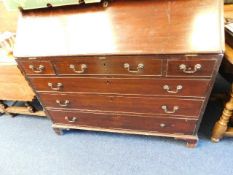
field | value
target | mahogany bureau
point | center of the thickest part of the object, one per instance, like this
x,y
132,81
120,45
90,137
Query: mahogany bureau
x,y
138,67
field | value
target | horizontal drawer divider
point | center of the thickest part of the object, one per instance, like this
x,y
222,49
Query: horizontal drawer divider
x,y
130,114
119,76
122,95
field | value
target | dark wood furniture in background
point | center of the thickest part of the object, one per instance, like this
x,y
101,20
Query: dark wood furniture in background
x,y
138,67
223,125
16,95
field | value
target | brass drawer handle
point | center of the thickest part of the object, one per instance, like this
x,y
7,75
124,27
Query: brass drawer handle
x,y
178,88
57,88
162,125
71,119
165,108
83,68
39,69
65,104
188,70
140,67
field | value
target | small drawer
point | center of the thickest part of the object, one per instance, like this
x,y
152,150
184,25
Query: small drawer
x,y
135,66
127,122
124,104
120,65
79,66
37,67
131,86
190,68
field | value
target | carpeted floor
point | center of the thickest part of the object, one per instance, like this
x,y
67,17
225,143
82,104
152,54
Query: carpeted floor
x,y
28,146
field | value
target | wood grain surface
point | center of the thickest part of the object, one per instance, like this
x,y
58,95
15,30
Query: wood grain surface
x,y
160,34
126,86
13,85
125,27
118,121
151,66
110,103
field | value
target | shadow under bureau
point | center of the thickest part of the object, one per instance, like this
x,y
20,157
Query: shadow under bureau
x,y
124,69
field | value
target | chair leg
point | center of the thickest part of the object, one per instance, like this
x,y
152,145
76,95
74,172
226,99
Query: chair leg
x,y
221,126
30,107
3,107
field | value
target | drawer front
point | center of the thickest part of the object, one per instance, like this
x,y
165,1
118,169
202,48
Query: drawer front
x,y
171,87
127,122
190,68
143,105
129,66
37,67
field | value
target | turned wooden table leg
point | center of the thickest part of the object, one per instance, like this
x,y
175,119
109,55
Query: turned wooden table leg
x,y
3,108
30,108
221,125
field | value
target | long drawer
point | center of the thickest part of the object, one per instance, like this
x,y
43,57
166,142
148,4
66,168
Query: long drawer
x,y
114,65
171,87
143,105
127,122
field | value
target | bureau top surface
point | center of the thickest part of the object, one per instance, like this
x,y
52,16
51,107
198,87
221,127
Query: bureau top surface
x,y
126,27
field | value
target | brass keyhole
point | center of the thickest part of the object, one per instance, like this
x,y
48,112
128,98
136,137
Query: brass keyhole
x,y
108,82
